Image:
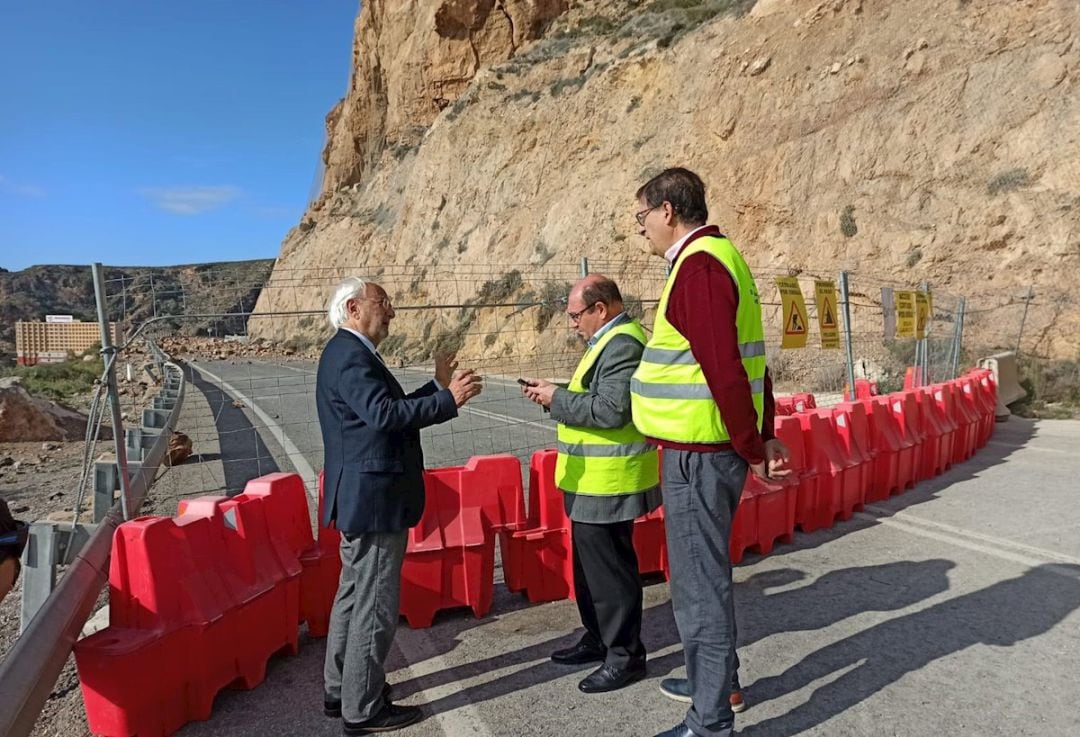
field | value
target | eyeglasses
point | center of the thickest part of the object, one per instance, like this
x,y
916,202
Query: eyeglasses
x,y
15,540
383,302
575,316
640,216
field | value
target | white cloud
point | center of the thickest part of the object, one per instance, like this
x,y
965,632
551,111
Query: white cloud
x,y
19,190
190,200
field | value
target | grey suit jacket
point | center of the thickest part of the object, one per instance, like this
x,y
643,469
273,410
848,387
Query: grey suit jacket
x,y
605,405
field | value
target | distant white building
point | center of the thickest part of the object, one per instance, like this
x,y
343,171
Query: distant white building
x,y
54,340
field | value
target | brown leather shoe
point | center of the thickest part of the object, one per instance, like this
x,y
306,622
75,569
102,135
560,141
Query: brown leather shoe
x,y
738,703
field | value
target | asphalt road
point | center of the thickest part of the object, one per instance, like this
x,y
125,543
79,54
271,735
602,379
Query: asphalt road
x,y
952,609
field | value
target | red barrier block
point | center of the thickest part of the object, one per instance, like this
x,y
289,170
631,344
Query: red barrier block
x,y
838,476
775,501
988,397
650,544
894,468
949,394
864,389
492,484
450,558
783,406
744,527
539,557
853,429
937,450
798,402
322,573
812,510
973,397
905,409
207,593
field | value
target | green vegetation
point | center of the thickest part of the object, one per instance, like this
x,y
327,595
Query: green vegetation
x,y
1008,181
59,381
847,222
1052,386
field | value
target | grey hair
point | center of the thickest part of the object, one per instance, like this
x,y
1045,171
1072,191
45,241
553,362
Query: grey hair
x,y
348,289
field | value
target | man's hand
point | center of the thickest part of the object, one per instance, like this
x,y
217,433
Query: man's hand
x,y
445,364
539,391
464,386
775,465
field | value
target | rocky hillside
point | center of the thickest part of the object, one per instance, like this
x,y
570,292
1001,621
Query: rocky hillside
x,y
135,294
900,139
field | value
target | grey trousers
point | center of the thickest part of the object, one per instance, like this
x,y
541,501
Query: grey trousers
x,y
701,493
363,622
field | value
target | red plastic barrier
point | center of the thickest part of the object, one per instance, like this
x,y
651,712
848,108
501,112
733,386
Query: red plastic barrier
x,y
322,573
948,395
784,406
450,558
539,559
853,429
988,397
937,450
744,526
650,544
864,389
211,593
839,478
775,501
799,402
811,512
894,468
905,410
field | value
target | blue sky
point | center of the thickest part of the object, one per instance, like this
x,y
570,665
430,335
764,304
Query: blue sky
x,y
147,133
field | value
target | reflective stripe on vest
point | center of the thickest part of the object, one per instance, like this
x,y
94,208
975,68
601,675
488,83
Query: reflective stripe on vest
x,y
671,399
600,462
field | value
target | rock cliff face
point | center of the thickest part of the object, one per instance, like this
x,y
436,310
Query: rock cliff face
x,y
900,139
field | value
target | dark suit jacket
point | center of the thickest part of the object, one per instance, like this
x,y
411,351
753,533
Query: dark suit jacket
x,y
373,463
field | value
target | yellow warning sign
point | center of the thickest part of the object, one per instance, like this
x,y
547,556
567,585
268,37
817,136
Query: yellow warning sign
x,y
922,314
795,322
825,294
905,314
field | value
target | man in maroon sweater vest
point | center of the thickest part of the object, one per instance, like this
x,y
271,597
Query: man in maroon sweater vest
x,y
702,306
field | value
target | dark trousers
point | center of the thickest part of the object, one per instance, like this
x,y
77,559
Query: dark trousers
x,y
608,590
701,492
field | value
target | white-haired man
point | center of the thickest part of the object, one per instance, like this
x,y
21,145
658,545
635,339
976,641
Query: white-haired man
x,y
374,492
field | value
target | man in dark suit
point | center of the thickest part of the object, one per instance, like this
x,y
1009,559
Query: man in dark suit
x,y
608,476
374,492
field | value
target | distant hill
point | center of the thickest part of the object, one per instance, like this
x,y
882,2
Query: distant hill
x,y
135,294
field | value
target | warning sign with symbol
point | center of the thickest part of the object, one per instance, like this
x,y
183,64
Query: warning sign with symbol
x,y
922,315
905,314
795,322
825,294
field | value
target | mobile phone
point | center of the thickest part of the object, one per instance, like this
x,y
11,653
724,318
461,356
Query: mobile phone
x,y
523,382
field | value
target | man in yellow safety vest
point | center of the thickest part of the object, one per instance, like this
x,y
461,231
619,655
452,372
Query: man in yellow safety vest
x,y
702,394
609,476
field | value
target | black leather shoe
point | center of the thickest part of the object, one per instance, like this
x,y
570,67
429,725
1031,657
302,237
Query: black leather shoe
x,y
579,653
605,678
332,707
388,719
679,730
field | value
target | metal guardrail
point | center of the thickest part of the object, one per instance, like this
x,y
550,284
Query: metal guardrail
x,y
30,670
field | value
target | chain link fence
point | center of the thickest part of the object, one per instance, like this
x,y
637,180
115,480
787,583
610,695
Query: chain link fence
x,y
251,367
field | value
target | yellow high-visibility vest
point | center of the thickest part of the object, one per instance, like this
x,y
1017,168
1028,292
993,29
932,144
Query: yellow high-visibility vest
x,y
669,395
599,462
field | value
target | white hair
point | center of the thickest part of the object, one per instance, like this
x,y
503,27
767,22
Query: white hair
x,y
349,288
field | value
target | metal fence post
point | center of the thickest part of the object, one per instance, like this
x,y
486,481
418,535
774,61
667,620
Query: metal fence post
x,y
1027,302
108,350
39,570
958,339
845,301
584,266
